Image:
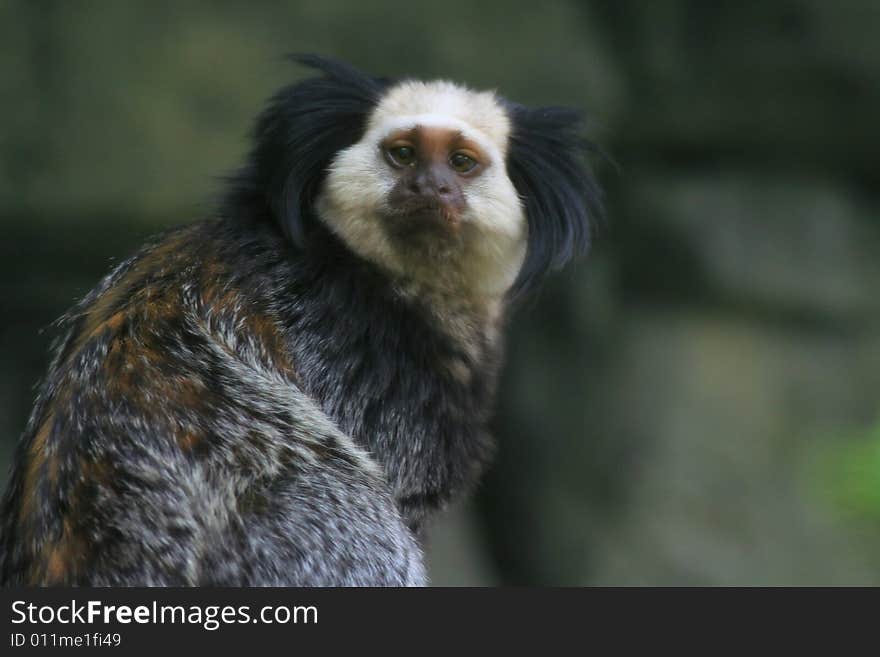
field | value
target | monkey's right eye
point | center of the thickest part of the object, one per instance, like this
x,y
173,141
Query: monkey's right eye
x,y
401,156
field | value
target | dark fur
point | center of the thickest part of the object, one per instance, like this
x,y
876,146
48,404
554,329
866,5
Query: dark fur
x,y
208,413
298,134
546,165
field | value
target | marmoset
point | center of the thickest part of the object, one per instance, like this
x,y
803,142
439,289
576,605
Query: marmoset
x,y
285,392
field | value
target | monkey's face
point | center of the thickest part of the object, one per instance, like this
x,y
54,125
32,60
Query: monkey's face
x,y
425,194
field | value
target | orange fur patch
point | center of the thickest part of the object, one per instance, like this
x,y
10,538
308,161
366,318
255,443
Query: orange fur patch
x,y
100,316
36,455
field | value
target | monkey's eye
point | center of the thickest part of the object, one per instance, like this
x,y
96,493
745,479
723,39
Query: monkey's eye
x,y
462,162
401,156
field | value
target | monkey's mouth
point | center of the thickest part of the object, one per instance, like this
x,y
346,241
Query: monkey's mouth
x,y
423,217
424,214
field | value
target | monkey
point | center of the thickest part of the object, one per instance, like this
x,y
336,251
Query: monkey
x,y
285,392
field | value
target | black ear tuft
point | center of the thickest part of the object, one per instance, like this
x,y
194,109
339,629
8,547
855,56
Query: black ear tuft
x,y
546,163
300,132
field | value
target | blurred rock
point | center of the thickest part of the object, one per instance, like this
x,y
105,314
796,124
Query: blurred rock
x,y
725,412
457,553
795,81
799,245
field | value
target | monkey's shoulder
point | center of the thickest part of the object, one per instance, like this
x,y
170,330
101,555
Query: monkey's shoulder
x,y
199,280
173,338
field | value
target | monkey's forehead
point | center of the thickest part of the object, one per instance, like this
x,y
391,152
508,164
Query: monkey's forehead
x,y
412,101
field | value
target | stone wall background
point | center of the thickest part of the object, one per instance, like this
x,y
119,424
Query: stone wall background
x,y
697,403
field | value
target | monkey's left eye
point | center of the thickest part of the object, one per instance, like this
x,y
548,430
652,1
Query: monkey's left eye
x,y
401,156
462,163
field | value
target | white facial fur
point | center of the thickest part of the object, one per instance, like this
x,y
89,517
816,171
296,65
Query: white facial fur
x,y
487,259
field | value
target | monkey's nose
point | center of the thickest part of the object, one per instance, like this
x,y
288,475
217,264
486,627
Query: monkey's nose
x,y
441,190
432,189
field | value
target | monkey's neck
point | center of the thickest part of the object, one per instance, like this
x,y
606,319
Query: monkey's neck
x,y
411,379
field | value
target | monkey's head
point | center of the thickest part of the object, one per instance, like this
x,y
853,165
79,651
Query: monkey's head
x,y
433,182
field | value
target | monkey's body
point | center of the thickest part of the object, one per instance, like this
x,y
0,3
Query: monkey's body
x,y
284,394
254,401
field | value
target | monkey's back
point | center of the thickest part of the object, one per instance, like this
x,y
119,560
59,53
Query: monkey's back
x,y
171,443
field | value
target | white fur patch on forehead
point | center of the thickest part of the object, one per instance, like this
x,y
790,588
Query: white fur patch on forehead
x,y
438,103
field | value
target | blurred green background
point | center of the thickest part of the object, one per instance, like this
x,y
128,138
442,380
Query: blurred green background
x,y
696,403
